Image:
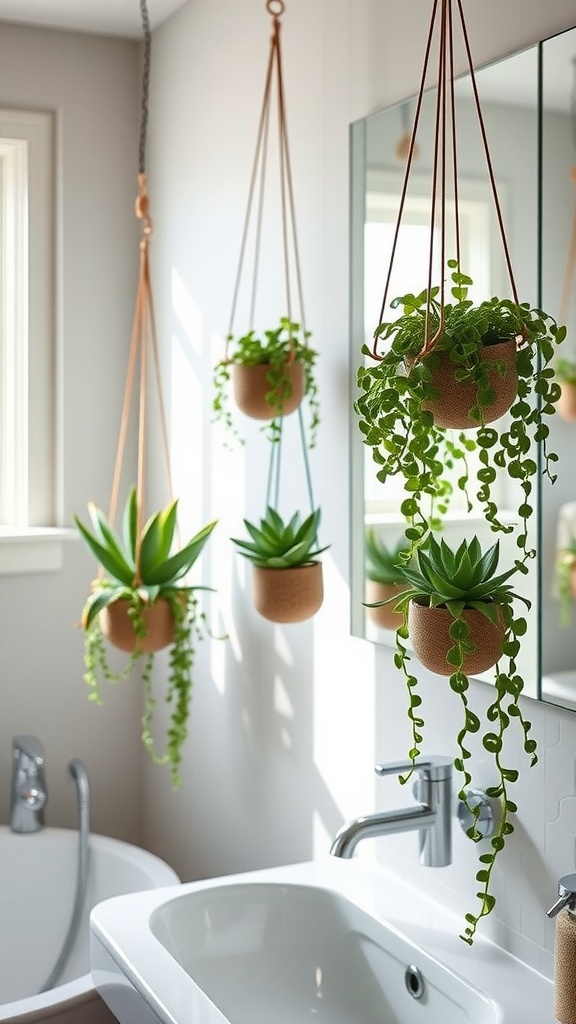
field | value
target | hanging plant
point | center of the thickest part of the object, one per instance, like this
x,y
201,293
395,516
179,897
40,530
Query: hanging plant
x,y
384,578
287,584
446,373
458,615
566,377
269,376
141,604
400,395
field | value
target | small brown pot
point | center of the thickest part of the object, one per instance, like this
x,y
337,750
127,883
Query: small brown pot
x,y
250,387
428,629
288,595
384,616
117,627
566,404
456,398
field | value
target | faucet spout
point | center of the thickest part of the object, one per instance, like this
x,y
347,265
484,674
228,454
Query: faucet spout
x,y
431,817
371,826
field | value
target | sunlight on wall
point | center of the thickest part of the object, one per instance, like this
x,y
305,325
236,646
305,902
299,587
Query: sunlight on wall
x,y
344,708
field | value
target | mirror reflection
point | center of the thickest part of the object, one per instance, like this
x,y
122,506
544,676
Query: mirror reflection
x,y
558,610
509,94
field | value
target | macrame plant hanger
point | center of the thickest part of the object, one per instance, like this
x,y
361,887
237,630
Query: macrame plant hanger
x,y
274,84
144,338
444,136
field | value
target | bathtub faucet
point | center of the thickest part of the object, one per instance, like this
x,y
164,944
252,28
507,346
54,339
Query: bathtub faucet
x,y
29,792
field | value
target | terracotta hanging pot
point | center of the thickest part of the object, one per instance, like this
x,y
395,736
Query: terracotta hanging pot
x,y
566,404
384,616
116,625
288,595
429,633
250,387
456,398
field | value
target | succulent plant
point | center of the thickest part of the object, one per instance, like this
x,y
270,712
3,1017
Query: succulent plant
x,y
382,561
460,580
140,569
276,544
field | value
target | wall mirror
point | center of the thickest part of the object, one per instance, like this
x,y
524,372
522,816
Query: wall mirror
x,y
529,108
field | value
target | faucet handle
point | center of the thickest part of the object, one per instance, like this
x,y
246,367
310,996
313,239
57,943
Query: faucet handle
x,y
436,768
567,896
28,752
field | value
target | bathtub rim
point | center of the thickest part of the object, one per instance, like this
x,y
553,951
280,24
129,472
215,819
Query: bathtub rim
x,y
80,990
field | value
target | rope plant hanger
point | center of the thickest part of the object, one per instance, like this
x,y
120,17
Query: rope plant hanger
x,y
139,602
281,365
432,396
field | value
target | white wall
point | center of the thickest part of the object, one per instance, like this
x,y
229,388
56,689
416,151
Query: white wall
x,y
92,87
287,723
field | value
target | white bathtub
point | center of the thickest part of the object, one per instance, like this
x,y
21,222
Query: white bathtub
x,y
38,874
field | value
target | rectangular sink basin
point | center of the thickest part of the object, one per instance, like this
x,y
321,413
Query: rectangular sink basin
x,y
289,953
319,941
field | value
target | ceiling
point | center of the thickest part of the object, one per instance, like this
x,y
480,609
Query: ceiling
x,y
106,17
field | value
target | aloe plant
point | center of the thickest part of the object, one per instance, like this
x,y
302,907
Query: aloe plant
x,y
139,566
281,545
457,580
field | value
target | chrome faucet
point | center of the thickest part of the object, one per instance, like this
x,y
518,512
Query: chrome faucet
x,y
29,792
431,816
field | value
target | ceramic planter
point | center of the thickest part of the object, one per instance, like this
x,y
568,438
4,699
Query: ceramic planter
x,y
429,633
566,404
456,398
385,616
288,595
116,625
250,387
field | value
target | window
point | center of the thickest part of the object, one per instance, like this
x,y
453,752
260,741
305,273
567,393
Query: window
x,y
27,341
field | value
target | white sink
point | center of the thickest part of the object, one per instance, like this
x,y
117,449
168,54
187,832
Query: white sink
x,y
298,943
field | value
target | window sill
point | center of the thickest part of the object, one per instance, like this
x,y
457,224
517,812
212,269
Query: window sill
x,y
32,549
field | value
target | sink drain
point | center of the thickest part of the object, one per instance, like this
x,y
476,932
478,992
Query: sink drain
x,y
414,982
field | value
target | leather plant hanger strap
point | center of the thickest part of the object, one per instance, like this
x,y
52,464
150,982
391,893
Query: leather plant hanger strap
x,y
445,114
256,191
144,336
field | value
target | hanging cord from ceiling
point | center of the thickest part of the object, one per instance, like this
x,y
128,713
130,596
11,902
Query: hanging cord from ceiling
x,y
257,186
445,124
256,195
144,335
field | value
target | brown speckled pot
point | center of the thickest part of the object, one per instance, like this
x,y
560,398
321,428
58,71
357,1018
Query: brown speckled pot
x,y
116,626
288,595
428,629
250,387
385,616
566,404
456,398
